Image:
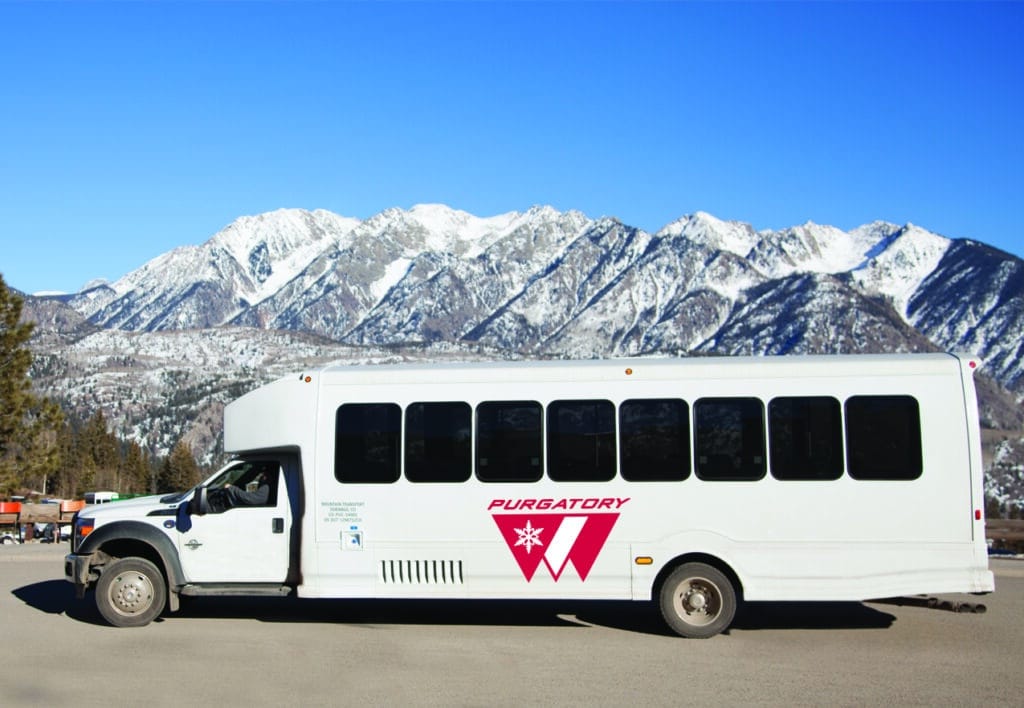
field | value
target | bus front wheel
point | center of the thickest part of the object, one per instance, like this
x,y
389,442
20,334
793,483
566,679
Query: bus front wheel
x,y
131,592
697,601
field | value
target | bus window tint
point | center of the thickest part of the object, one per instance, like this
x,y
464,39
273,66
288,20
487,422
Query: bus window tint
x,y
367,445
655,440
883,437
437,442
581,441
805,438
509,441
729,439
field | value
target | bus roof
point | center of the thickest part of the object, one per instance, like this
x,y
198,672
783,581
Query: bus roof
x,y
649,368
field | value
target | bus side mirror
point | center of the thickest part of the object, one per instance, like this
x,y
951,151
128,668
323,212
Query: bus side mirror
x,y
198,505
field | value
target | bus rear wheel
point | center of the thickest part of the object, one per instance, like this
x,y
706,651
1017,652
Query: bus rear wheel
x,y
131,592
697,601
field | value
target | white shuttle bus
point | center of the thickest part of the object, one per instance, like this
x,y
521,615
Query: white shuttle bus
x,y
693,484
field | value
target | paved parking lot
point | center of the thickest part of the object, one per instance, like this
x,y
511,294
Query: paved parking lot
x,y
317,652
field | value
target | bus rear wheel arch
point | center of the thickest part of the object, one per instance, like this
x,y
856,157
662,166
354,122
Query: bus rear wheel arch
x,y
697,600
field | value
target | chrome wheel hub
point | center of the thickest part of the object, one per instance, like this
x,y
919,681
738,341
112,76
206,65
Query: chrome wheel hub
x,y
698,602
131,593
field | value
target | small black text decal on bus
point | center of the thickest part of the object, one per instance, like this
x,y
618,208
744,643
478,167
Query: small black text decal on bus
x,y
556,531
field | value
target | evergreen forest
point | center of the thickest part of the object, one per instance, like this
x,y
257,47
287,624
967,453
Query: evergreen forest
x,y
47,452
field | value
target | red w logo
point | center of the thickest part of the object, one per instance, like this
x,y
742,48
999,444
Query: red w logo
x,y
555,539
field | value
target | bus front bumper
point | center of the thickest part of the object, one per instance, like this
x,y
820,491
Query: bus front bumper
x,y
78,571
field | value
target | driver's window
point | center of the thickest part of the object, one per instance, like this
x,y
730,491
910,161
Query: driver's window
x,y
247,484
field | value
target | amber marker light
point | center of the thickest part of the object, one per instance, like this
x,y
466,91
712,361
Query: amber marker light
x,y
629,372
308,379
644,560
82,528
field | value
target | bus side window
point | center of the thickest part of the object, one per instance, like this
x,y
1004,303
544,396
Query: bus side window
x,y
367,443
655,440
509,441
883,437
437,442
729,439
805,438
581,441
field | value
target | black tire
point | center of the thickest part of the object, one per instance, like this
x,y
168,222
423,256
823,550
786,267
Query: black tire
x,y
697,601
131,592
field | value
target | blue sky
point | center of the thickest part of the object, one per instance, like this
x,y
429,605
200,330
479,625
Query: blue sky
x,y
131,128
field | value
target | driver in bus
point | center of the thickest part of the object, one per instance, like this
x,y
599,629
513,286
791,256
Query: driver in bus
x,y
236,496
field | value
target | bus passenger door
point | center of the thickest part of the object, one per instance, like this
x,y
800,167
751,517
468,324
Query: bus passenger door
x,y
240,540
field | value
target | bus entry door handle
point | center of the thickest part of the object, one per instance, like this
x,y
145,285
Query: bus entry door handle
x,y
277,525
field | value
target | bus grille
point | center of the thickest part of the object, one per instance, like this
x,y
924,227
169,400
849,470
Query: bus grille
x,y
414,572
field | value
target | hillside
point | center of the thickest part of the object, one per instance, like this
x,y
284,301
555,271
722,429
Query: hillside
x,y
164,347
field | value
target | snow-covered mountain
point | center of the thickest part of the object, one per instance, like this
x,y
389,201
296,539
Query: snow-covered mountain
x,y
544,281
200,286
547,282
550,283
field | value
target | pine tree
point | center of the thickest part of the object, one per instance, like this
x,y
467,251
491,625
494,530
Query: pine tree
x,y
179,471
102,447
42,458
135,470
62,482
28,424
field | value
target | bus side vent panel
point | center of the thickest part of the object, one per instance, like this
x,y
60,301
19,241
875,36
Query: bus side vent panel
x,y
421,572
